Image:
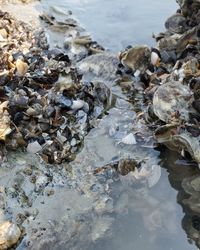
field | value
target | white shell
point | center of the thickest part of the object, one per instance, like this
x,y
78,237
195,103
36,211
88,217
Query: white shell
x,y
137,73
151,173
129,139
154,58
9,234
78,104
1,38
154,175
34,147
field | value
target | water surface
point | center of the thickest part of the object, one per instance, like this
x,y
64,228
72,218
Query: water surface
x,y
147,217
116,24
150,217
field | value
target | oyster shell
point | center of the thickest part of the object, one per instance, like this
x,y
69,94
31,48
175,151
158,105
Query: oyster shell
x,y
171,102
136,58
176,23
179,141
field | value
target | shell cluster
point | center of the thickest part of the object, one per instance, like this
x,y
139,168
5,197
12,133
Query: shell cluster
x,y
49,108
171,87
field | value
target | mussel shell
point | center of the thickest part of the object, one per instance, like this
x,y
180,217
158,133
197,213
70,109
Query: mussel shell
x,y
193,130
58,55
42,78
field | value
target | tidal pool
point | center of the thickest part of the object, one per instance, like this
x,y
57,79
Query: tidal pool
x,y
145,216
152,218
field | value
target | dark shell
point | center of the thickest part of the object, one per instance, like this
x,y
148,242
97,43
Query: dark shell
x,y
176,23
196,105
42,78
58,55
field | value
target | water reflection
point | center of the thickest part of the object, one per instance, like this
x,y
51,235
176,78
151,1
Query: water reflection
x,y
150,216
184,176
144,216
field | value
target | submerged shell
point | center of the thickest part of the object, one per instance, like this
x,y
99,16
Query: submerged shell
x,y
129,139
154,175
127,165
9,235
171,101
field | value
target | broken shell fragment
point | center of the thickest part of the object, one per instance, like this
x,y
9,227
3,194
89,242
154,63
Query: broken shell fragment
x,y
4,121
3,33
22,67
34,147
155,57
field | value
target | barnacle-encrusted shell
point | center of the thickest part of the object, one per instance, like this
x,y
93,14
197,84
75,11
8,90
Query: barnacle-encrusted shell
x,y
9,234
170,100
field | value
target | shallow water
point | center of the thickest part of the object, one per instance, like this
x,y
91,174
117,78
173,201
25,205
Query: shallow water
x,y
116,24
144,216
149,217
